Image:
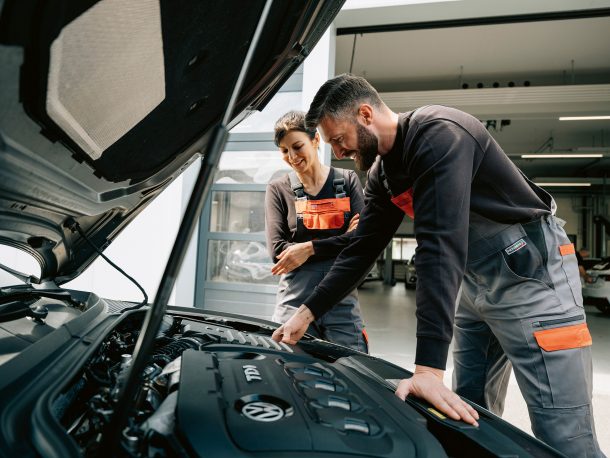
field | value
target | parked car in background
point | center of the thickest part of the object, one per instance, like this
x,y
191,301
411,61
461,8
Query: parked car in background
x,y
596,286
102,105
410,274
248,262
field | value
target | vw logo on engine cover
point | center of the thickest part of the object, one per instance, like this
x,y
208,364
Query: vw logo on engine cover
x,y
262,411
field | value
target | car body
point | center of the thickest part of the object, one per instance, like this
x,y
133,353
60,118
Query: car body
x,y
249,262
102,105
410,274
596,286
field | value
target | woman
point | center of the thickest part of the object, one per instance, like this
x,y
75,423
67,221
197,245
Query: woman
x,y
310,214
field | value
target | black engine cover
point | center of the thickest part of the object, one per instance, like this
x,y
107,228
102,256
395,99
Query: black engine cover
x,y
248,401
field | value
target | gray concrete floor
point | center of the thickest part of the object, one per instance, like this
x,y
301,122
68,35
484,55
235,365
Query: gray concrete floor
x,y
389,314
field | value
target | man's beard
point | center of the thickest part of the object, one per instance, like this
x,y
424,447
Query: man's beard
x,y
367,148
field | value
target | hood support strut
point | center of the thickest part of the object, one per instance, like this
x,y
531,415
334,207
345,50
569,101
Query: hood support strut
x,y
155,314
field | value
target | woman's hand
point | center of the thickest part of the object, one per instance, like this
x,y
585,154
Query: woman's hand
x,y
353,223
292,257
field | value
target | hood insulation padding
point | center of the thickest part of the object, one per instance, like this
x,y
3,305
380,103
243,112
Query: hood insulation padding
x,y
106,72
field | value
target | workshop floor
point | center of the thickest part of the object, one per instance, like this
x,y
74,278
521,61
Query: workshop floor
x,y
389,314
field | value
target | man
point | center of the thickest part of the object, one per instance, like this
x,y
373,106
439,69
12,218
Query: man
x,y
479,223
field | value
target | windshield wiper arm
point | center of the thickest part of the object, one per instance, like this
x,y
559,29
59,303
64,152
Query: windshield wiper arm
x,y
19,301
20,275
24,292
17,309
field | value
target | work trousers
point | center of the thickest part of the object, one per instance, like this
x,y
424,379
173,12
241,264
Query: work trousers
x,y
342,324
522,279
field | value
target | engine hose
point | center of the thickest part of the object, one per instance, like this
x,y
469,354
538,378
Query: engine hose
x,y
171,351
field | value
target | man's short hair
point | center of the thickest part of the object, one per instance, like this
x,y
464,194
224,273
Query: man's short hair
x,y
340,97
291,121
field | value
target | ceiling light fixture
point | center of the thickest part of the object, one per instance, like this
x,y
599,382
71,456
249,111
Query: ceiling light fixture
x,y
581,185
583,118
562,156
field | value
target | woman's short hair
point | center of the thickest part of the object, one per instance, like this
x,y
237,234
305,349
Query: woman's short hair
x,y
291,121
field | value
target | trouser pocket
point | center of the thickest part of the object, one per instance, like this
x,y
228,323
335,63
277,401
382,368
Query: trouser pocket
x,y
564,337
525,261
561,349
569,265
563,264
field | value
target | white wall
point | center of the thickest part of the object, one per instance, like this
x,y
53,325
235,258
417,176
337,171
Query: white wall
x,y
318,67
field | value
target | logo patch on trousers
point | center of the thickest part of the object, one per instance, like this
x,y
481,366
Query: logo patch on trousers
x,y
515,246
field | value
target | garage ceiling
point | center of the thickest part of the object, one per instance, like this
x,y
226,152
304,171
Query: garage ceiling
x,y
543,69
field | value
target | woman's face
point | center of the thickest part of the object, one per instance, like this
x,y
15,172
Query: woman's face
x,y
299,151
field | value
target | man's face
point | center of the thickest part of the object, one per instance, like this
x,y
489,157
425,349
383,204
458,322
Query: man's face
x,y
350,139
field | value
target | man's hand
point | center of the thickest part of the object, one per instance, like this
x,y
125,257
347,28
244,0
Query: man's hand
x,y
427,383
292,257
292,331
353,223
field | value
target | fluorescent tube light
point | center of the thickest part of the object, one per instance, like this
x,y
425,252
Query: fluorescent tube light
x,y
561,156
357,4
582,118
581,185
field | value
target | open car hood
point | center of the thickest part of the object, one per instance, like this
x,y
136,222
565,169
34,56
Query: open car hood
x,y
103,103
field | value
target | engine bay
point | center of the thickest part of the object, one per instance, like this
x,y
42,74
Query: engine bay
x,y
211,389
